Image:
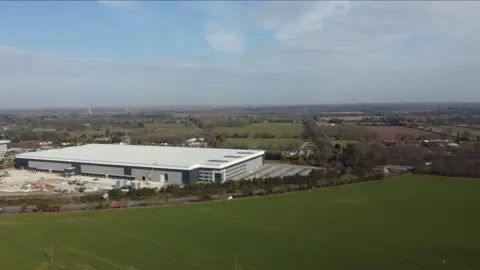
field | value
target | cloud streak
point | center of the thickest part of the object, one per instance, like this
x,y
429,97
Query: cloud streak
x,y
315,18
118,4
222,40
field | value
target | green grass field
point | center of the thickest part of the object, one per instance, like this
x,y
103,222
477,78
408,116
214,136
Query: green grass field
x,y
277,129
277,143
408,223
155,128
172,128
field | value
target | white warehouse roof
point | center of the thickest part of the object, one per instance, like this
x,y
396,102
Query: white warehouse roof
x,y
4,141
180,158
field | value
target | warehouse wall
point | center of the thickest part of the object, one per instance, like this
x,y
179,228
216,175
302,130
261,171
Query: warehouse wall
x,y
99,169
21,163
239,170
174,177
190,177
48,165
254,163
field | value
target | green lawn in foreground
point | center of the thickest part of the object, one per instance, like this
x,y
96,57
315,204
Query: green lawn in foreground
x,y
407,223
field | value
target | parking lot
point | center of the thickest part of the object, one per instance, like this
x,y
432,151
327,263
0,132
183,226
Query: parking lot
x,y
280,170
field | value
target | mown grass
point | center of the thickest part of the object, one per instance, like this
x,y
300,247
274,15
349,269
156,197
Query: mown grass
x,y
257,143
279,130
172,128
413,222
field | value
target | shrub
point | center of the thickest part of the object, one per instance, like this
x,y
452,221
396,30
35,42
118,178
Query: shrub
x,y
205,197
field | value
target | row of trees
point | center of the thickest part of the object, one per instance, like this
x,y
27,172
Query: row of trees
x,y
212,191
462,162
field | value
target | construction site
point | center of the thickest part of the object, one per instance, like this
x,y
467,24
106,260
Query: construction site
x,y
24,181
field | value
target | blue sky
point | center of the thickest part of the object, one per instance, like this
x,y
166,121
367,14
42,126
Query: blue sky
x,y
144,30
94,53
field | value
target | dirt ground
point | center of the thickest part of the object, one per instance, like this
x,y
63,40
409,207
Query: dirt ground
x,y
22,181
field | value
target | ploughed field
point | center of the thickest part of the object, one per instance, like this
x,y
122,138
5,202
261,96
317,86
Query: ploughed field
x,y
412,222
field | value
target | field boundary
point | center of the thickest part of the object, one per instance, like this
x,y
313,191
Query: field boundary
x,y
173,204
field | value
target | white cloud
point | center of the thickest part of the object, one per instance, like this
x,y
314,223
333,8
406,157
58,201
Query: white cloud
x,y
224,24
223,40
118,4
130,12
374,35
320,14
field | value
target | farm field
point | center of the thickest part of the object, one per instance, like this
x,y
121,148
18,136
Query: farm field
x,y
158,128
279,130
390,132
275,143
412,222
172,128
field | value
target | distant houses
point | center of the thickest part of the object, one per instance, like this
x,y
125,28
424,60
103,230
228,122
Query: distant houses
x,y
196,142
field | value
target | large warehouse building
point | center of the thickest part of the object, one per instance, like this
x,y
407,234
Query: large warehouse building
x,y
177,165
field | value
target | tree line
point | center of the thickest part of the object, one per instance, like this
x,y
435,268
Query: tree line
x,y
439,159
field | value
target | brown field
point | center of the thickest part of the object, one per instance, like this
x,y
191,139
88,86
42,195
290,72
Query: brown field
x,y
389,132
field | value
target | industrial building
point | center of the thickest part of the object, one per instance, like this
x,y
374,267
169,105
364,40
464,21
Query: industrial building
x,y
174,165
3,147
